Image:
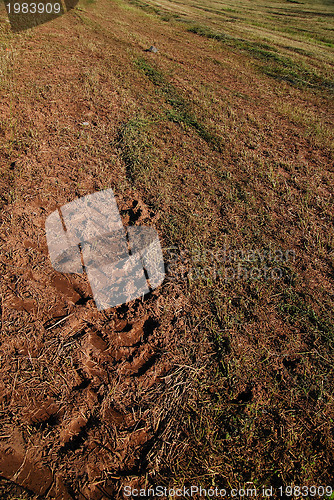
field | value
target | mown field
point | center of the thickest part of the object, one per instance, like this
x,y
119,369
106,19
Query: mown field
x,y
223,141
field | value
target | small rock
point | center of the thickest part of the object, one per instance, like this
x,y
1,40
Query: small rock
x,y
85,124
152,49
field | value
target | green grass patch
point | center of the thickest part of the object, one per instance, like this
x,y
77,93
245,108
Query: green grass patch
x,y
181,111
151,9
275,65
297,309
133,139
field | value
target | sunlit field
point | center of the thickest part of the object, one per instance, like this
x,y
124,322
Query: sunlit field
x,y
223,142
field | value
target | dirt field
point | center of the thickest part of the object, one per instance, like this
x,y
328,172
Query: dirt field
x,y
223,142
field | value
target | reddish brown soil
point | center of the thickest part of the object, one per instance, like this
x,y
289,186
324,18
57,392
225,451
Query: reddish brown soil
x,y
84,392
87,398
91,401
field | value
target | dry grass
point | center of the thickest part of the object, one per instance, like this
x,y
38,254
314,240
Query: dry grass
x,y
226,135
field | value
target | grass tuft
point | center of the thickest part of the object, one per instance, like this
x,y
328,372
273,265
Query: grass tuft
x,y
181,110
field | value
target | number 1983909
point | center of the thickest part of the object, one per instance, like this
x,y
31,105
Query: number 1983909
x,y
33,8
